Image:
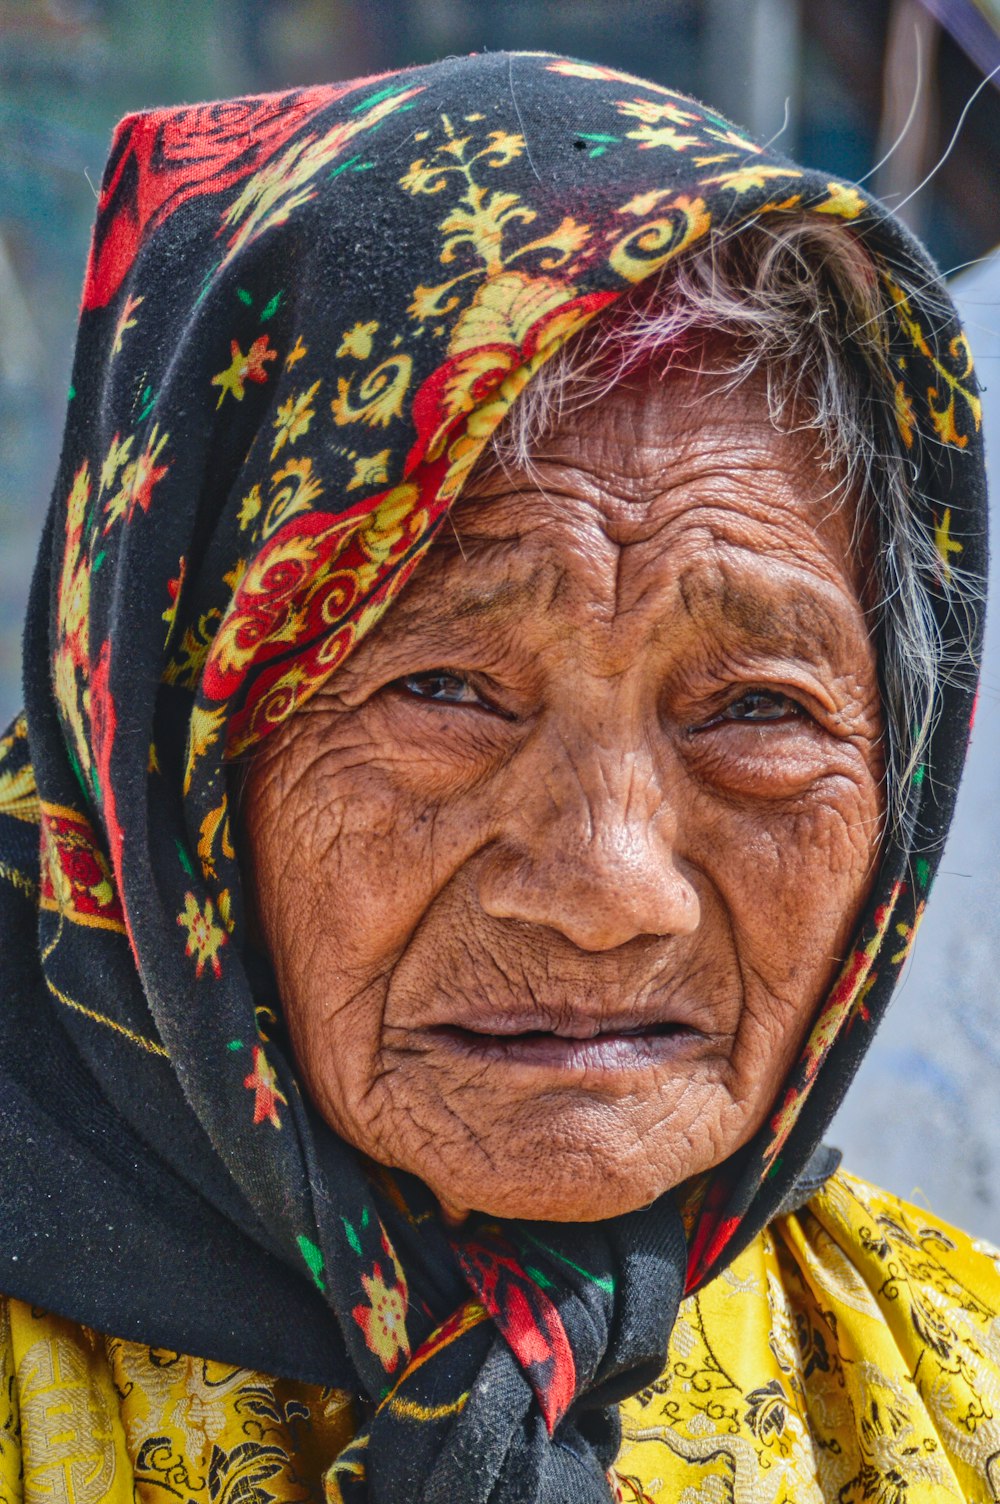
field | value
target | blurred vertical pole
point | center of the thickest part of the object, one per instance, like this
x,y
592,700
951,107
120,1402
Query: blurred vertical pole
x,y
752,62
909,84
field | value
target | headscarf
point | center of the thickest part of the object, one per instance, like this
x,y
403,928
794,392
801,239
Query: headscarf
x,y
304,315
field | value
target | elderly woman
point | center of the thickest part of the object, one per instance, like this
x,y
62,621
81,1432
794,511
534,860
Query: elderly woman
x,y
496,678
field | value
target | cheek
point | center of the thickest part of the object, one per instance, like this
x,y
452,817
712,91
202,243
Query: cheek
x,y
793,894
345,858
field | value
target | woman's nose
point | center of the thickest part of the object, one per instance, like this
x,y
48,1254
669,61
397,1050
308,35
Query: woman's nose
x,y
598,862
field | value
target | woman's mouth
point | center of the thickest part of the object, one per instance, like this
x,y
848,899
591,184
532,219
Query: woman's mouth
x,y
618,1047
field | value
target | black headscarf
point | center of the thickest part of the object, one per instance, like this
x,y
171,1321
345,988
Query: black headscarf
x,y
304,314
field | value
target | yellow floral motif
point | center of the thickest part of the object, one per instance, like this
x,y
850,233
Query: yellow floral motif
x,y
73,650
125,321
204,730
205,938
652,113
174,588
294,417
296,353
649,136
117,456
945,544
379,396
729,137
430,175
599,73
681,222
295,490
957,385
642,204
370,470
215,827
395,515
250,507
233,577
74,585
844,201
383,1320
186,668
742,179
480,219
137,480
486,348
284,184
243,368
908,933
18,793
357,341
906,418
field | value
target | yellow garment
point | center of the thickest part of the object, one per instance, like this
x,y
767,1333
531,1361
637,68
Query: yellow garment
x,y
851,1353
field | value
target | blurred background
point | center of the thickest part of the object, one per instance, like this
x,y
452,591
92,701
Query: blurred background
x,y
840,82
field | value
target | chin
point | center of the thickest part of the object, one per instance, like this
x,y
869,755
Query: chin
x,y
570,1186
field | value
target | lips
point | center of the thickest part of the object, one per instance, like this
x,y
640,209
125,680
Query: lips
x,y
575,1045
573,1025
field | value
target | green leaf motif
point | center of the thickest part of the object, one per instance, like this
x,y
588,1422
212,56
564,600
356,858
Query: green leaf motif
x,y
344,166
386,93
603,1282
313,1257
352,1237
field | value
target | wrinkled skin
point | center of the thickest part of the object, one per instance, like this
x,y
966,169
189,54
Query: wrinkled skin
x,y
612,763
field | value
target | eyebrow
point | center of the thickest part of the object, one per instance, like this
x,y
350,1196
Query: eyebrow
x,y
789,622
463,599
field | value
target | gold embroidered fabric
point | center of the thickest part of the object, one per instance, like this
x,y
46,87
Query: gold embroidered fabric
x,y
850,1354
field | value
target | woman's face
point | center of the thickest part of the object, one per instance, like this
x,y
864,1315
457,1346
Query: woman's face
x,y
556,869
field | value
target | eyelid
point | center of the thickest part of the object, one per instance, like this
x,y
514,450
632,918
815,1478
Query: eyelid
x,y
485,701
719,717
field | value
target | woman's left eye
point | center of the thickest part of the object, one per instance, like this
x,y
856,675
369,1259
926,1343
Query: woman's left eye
x,y
444,686
759,706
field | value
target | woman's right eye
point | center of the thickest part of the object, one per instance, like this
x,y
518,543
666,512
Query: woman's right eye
x,y
444,686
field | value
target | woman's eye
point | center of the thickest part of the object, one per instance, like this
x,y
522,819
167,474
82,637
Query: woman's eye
x,y
759,705
445,687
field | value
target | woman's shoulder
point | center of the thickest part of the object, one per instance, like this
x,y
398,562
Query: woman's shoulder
x,y
855,1342
93,1417
878,1229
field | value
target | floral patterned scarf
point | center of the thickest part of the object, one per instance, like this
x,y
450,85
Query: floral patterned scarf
x,y
304,315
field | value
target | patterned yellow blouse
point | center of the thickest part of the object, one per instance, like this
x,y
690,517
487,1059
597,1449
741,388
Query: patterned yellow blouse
x,y
851,1353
